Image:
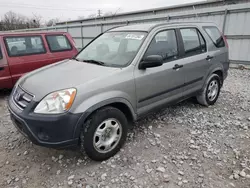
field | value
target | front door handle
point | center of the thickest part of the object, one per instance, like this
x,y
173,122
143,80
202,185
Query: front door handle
x,y
208,58
177,66
1,68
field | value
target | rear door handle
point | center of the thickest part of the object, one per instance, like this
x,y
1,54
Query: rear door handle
x,y
1,68
208,58
177,66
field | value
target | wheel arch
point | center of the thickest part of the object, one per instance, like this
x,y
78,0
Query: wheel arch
x,y
219,72
214,70
119,103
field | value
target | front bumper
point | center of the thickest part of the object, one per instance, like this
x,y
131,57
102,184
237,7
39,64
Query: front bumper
x,y
54,131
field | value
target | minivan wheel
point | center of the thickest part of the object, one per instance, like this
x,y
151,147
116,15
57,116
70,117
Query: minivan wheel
x,y
211,91
104,133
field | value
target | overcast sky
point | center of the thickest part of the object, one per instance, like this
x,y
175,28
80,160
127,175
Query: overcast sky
x,y
72,9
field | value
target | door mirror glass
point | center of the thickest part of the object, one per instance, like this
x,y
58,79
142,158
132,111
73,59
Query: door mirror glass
x,y
151,61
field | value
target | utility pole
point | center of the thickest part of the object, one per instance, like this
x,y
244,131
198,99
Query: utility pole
x,y
99,13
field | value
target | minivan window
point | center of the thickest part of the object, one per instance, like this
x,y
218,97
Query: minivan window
x,y
24,45
192,40
1,55
216,36
163,44
58,43
116,49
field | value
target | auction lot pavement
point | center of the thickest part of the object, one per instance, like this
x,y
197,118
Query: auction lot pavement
x,y
185,145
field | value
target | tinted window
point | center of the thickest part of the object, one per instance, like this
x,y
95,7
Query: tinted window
x,y
58,43
116,49
1,55
28,45
133,45
193,41
163,44
203,43
216,36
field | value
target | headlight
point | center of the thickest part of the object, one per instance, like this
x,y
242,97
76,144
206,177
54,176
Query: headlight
x,y
56,102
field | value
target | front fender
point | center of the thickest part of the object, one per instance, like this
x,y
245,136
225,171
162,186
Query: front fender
x,y
95,102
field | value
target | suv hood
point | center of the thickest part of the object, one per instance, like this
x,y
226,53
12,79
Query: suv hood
x,y
62,75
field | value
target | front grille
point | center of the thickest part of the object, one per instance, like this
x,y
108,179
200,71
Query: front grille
x,y
21,98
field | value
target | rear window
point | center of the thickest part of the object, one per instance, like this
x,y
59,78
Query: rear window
x,y
216,36
24,45
58,43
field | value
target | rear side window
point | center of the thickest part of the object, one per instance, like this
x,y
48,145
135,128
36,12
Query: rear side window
x,y
24,45
193,42
215,35
58,43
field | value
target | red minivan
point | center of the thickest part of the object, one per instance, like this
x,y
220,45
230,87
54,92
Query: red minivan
x,y
23,52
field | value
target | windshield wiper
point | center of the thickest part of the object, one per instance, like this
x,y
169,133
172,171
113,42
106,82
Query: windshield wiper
x,y
94,61
74,58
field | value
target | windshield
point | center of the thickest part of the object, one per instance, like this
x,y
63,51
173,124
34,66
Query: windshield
x,y
116,49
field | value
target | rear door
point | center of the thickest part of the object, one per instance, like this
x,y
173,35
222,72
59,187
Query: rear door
x,y
218,51
25,54
60,47
195,62
5,77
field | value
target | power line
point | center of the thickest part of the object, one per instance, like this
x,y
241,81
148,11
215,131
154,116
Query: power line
x,y
44,7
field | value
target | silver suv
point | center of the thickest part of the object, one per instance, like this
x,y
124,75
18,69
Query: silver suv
x,y
123,74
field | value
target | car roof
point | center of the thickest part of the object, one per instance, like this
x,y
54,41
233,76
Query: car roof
x,y
149,27
24,33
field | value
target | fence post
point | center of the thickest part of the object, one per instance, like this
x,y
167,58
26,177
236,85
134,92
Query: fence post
x,y
82,36
224,21
101,28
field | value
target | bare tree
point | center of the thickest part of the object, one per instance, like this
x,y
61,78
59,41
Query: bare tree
x,y
92,16
108,13
81,17
34,21
52,22
13,21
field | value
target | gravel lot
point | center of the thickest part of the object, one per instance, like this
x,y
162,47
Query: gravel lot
x,y
185,145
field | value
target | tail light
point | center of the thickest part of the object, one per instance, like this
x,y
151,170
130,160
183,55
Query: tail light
x,y
225,40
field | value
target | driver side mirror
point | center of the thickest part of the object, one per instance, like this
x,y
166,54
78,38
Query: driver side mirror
x,y
151,61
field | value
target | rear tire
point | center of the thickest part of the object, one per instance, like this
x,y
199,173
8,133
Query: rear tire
x,y
211,91
104,133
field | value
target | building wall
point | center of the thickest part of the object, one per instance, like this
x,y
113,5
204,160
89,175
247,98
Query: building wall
x,y
232,17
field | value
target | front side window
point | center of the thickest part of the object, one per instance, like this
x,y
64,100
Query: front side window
x,y
164,44
24,45
116,49
193,41
58,43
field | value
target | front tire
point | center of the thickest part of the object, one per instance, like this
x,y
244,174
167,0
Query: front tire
x,y
211,91
104,133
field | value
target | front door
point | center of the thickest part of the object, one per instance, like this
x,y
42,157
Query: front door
x,y
160,85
